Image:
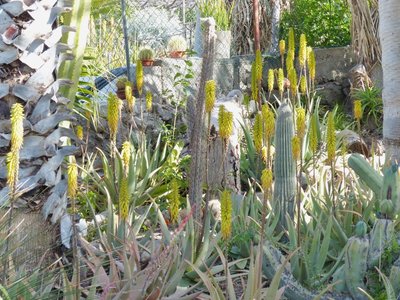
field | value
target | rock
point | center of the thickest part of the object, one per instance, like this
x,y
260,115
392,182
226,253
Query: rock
x,y
214,206
354,143
333,63
331,93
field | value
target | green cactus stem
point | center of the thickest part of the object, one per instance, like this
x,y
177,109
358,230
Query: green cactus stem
x,y
390,186
338,280
394,276
381,236
355,262
366,172
284,169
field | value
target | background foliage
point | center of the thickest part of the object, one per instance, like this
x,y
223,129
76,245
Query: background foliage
x,y
327,22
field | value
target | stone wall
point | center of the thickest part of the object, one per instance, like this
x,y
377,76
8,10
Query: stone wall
x,y
332,75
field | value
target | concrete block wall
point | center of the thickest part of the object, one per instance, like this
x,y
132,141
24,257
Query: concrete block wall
x,y
333,66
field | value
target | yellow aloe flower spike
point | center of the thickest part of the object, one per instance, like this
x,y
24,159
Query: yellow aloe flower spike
x,y
266,179
226,214
258,132
210,91
331,137
174,201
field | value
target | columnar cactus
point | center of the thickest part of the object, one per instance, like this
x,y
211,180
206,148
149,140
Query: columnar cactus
x,y
366,172
381,235
284,170
385,187
355,262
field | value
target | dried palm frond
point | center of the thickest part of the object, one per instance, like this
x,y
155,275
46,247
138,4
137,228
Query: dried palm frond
x,y
365,31
243,30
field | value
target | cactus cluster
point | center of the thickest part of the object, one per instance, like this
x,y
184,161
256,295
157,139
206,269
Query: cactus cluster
x,y
364,251
146,54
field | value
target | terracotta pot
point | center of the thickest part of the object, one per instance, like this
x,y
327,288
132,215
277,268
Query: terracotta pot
x,y
176,54
121,94
147,62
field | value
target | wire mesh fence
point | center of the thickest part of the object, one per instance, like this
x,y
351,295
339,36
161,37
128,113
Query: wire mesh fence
x,y
152,24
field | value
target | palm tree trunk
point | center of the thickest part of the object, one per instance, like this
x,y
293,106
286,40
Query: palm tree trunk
x,y
389,12
275,19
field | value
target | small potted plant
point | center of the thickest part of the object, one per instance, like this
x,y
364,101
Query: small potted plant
x,y
177,46
146,55
121,84
121,87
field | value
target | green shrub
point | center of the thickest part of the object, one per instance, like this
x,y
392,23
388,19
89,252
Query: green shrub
x,y
326,22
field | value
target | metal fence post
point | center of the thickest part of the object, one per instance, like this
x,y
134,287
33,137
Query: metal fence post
x,y
125,30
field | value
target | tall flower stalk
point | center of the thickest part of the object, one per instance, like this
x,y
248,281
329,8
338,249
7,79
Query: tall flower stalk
x,y
282,49
174,201
12,161
139,85
281,82
358,112
226,214
271,81
225,124
331,151
266,184
130,100
313,145
72,190
311,66
296,146
268,118
210,97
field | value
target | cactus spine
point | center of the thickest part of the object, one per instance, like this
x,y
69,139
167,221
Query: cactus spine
x,y
355,263
284,170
